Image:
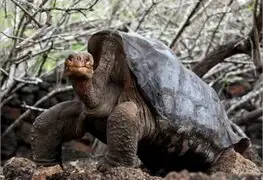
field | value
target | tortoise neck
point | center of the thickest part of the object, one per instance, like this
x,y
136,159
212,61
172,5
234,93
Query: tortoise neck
x,y
83,88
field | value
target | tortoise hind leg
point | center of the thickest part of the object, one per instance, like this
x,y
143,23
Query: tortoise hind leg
x,y
233,162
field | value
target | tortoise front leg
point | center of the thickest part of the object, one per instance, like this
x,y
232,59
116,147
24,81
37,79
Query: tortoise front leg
x,y
51,128
122,137
46,141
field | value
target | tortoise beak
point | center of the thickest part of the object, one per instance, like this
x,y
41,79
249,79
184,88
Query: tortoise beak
x,y
79,65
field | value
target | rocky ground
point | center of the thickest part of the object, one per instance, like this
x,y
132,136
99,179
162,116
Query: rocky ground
x,y
85,168
78,165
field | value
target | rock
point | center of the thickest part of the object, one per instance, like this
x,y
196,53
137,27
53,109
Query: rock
x,y
51,102
252,154
185,175
29,99
10,113
44,86
255,130
8,144
238,89
55,76
2,177
86,169
87,139
23,132
83,168
79,146
14,102
41,94
70,153
234,163
24,151
29,89
19,168
228,176
120,173
65,96
43,173
99,148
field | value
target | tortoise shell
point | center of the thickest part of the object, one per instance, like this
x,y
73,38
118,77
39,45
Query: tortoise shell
x,y
178,95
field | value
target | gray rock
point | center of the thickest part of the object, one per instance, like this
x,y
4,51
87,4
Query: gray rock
x,y
18,168
30,89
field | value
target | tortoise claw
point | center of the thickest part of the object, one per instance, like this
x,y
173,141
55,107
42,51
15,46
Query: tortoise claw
x,y
104,165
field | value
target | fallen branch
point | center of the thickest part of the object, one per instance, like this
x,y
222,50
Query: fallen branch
x,y
249,117
25,114
219,54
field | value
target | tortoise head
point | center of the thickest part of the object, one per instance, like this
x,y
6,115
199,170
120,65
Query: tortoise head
x,y
79,65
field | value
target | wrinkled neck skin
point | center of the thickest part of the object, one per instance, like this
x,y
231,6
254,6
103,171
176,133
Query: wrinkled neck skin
x,y
83,87
101,92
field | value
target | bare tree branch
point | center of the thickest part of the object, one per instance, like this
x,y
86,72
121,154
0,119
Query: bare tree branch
x,y
33,108
218,25
65,9
145,14
256,36
21,80
185,23
222,52
27,13
27,3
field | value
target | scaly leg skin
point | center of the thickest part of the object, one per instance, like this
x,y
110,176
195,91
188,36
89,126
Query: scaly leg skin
x,y
51,128
122,138
233,162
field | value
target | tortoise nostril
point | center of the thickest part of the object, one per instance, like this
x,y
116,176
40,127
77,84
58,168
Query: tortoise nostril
x,y
70,58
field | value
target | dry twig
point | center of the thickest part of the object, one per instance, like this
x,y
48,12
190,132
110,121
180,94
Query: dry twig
x,y
32,108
